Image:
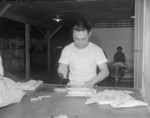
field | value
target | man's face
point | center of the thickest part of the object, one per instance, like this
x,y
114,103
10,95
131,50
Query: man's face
x,y
81,38
119,50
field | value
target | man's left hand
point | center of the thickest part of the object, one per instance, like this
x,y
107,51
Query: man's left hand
x,y
89,84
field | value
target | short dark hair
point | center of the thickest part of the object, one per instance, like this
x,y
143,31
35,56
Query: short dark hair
x,y
82,25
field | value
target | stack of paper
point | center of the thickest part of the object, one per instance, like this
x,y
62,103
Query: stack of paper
x,y
62,116
115,98
60,89
81,92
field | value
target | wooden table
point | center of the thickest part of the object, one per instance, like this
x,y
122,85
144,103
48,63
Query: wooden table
x,y
73,107
116,68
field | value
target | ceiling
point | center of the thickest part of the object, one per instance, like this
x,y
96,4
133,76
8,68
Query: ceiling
x,y
41,13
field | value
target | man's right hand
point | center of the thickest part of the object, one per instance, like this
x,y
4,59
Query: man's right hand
x,y
62,76
63,70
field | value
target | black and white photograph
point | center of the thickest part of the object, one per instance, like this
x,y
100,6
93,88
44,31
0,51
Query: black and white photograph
x,y
74,58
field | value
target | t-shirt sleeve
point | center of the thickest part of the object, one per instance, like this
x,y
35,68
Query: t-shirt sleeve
x,y
64,58
100,57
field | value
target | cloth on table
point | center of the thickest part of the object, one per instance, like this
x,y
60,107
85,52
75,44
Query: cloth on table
x,y
30,85
10,92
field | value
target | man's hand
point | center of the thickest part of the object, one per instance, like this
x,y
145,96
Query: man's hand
x,y
62,75
63,71
89,84
104,72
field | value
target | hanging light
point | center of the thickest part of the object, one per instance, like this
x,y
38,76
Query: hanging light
x,y
57,19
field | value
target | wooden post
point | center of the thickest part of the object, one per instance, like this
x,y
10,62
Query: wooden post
x,y
49,55
27,55
62,39
49,51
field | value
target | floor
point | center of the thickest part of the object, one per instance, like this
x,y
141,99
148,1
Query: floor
x,y
39,72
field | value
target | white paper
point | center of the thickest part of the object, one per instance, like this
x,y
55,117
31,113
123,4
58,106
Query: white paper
x,y
130,103
60,89
116,98
80,89
78,93
81,92
62,116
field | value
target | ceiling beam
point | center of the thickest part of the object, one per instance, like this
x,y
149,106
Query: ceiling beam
x,y
5,12
6,7
25,20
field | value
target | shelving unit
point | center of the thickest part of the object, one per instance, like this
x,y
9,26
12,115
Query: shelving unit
x,y
12,52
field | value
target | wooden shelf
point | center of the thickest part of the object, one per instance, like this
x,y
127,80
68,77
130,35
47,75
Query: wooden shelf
x,y
11,53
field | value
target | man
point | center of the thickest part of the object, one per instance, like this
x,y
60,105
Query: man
x,y
119,61
80,59
119,55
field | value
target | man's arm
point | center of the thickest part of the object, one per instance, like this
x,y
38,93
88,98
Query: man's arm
x,y
62,70
104,72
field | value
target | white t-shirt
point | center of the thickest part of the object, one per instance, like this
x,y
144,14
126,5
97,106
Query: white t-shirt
x,y
82,62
